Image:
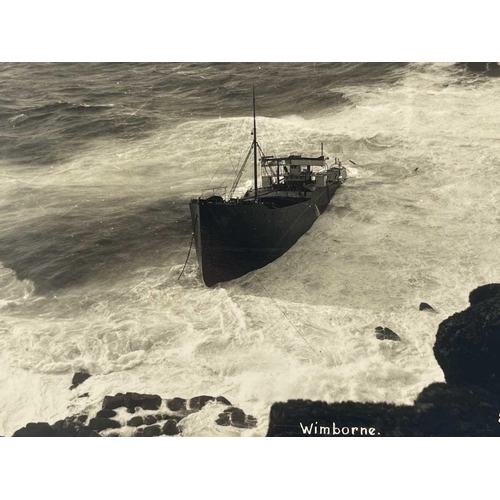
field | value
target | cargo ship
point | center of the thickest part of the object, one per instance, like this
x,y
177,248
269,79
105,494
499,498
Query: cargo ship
x,y
236,235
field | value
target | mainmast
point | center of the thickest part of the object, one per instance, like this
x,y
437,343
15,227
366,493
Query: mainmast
x,y
254,147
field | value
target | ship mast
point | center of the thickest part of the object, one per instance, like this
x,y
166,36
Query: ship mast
x,y
254,147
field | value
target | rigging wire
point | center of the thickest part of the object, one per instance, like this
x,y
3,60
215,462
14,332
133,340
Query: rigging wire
x,y
260,282
187,258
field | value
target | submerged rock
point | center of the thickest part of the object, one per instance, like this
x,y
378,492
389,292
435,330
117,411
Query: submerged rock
x,y
131,400
151,431
386,334
198,402
106,413
99,424
170,428
237,418
150,419
425,307
176,404
79,378
135,422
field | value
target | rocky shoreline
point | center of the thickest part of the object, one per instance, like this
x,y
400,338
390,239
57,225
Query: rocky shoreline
x,y
467,348
139,415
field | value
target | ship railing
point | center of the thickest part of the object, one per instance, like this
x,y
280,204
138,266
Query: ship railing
x,y
216,191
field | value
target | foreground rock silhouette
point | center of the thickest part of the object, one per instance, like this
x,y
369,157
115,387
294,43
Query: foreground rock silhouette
x,y
467,348
154,417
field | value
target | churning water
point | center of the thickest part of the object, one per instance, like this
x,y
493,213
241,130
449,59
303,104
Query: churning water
x,y
98,164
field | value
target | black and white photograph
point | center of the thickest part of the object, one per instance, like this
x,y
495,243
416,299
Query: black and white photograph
x,y
226,222
249,249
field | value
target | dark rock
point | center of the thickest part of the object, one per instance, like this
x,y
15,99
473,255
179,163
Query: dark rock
x,y
145,401
75,429
425,307
170,428
135,421
237,418
176,404
198,402
467,348
224,419
150,419
306,418
112,402
99,424
79,378
152,430
130,410
131,400
448,410
106,413
113,435
467,345
386,334
69,427
440,410
223,400
166,416
82,418
38,429
485,292
84,395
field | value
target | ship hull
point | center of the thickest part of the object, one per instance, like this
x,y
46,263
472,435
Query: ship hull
x,y
232,239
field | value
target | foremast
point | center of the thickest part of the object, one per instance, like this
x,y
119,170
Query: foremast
x,y
254,147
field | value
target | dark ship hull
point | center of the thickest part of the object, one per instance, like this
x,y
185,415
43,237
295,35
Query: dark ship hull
x,y
236,237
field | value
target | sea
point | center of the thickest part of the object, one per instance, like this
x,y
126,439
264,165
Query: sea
x,y
98,163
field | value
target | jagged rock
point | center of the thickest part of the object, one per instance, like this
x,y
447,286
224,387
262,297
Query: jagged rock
x,y
99,424
386,334
176,404
223,400
170,428
135,421
152,430
79,378
484,292
131,400
84,395
82,418
467,344
106,413
425,307
198,402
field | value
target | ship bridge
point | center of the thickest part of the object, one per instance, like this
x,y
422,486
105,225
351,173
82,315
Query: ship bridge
x,y
292,169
